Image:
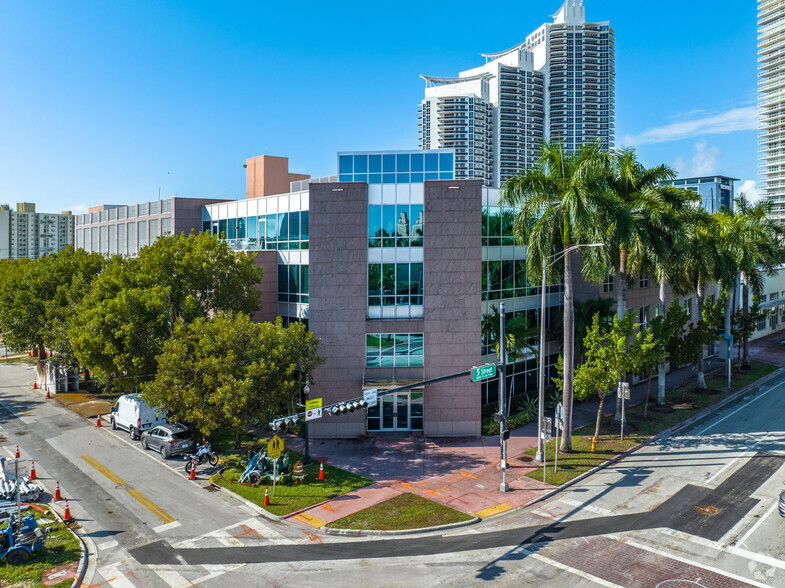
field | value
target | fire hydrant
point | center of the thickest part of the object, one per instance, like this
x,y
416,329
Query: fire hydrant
x,y
593,443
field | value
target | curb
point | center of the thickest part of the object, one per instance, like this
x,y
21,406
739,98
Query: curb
x,y
369,533
85,561
248,503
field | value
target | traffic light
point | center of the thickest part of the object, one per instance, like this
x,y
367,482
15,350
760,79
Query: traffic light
x,y
347,406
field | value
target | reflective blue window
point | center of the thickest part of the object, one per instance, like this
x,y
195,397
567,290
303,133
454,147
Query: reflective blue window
x,y
417,162
294,226
375,164
374,178
389,162
403,162
403,178
283,227
251,227
272,227
431,163
360,164
417,178
304,225
445,162
388,178
432,176
445,175
345,178
345,164
360,177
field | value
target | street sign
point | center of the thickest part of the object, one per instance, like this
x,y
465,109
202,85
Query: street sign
x,y
275,447
624,390
313,413
315,403
371,397
559,414
546,428
483,372
10,471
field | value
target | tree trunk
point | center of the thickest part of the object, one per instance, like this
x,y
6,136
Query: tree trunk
x,y
237,438
661,367
599,416
621,308
621,285
569,334
646,404
728,328
745,301
701,384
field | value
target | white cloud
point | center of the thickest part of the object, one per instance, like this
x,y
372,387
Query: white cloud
x,y
705,161
750,190
78,208
744,118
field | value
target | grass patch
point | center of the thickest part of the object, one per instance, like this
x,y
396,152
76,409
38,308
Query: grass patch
x,y
638,428
288,497
25,360
405,511
61,548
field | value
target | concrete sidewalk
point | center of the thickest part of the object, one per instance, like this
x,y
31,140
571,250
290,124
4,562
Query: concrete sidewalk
x,y
464,473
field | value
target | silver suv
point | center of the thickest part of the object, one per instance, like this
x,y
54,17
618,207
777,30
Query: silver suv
x,y
169,440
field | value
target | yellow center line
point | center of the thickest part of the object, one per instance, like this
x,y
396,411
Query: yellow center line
x,y
141,498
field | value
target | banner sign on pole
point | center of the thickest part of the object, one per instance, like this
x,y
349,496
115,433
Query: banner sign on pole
x,y
371,396
313,413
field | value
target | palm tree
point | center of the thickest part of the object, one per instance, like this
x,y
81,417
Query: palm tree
x,y
757,251
558,202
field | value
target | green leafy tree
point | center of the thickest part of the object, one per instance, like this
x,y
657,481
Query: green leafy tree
x,y
230,371
558,202
610,355
38,298
670,332
121,326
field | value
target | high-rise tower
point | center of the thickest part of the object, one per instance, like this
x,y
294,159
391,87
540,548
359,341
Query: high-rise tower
x,y
771,95
557,84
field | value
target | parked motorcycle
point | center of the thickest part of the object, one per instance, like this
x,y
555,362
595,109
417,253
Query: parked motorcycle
x,y
204,453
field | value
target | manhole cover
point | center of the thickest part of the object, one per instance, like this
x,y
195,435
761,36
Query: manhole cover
x,y
708,510
211,488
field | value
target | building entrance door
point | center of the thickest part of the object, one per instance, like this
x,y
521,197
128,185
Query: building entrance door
x,y
397,411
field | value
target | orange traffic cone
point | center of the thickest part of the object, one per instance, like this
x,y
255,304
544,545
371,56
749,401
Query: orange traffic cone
x,y
192,475
35,385
17,452
67,515
266,497
32,471
321,471
98,421
57,491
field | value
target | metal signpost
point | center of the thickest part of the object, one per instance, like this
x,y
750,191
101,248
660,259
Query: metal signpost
x,y
558,418
729,339
624,394
546,436
274,450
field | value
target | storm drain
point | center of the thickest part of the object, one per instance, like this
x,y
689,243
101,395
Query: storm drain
x,y
707,510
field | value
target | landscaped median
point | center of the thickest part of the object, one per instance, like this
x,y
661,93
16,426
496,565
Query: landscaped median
x,y
288,497
685,401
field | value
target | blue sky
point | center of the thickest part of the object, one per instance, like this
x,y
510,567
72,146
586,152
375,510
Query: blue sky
x,y
106,102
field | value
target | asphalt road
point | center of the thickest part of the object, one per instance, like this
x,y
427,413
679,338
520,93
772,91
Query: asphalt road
x,y
694,509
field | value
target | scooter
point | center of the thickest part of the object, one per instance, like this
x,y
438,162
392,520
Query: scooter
x,y
204,453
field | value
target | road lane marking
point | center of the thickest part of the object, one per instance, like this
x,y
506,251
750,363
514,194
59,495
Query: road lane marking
x,y
566,568
167,526
766,560
759,522
114,578
107,545
742,407
138,496
487,512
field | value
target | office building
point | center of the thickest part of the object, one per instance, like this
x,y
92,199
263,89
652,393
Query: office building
x,y
27,233
557,84
771,97
716,192
392,264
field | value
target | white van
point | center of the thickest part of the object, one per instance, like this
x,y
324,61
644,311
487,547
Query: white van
x,y
131,413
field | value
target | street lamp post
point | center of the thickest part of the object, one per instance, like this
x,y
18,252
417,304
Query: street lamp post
x,y
306,455
556,257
